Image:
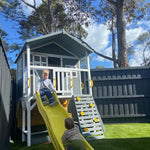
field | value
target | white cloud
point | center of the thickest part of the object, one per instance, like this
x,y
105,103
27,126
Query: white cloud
x,y
98,36
145,23
133,34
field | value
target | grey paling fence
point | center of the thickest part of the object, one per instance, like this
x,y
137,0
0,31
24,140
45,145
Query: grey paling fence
x,y
122,95
5,98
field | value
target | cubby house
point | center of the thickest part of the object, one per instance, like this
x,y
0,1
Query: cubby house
x,y
66,57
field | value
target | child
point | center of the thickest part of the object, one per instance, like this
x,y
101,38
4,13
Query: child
x,y
45,87
71,138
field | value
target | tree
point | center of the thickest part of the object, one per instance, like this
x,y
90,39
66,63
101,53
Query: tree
x,y
48,17
144,39
100,67
124,11
2,32
10,48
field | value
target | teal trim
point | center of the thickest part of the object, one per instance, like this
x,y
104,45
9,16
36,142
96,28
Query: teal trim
x,y
65,41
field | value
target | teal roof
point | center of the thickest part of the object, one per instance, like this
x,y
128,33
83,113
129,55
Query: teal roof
x,y
61,42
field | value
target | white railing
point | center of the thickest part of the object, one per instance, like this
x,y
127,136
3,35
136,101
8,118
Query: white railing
x,y
63,79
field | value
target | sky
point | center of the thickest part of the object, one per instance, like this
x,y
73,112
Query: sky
x,y
98,38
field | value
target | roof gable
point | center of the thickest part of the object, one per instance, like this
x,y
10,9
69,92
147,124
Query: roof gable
x,y
63,41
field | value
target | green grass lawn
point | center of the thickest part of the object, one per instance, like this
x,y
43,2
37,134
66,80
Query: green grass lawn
x,y
117,137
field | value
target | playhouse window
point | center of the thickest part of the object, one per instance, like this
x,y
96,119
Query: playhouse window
x,y
43,59
44,64
37,58
31,59
74,74
53,61
40,60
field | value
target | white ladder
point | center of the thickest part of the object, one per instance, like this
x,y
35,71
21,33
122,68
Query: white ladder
x,y
90,122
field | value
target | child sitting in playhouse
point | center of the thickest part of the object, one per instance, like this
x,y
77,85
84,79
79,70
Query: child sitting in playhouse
x,y
71,138
45,87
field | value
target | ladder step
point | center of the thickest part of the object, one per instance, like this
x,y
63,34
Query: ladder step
x,y
83,102
85,106
88,117
91,125
86,121
91,129
95,138
90,133
85,109
86,98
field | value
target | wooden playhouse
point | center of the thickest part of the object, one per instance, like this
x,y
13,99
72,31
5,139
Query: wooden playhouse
x,y
67,58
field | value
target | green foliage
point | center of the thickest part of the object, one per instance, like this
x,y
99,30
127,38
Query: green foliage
x,y
144,39
48,17
3,33
134,10
100,67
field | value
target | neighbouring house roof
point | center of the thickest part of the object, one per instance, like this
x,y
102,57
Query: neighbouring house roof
x,y
58,41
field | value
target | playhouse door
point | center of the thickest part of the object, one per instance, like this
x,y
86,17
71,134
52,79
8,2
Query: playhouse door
x,y
63,82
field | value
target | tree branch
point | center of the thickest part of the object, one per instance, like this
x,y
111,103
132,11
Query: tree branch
x,y
112,2
106,57
44,2
32,6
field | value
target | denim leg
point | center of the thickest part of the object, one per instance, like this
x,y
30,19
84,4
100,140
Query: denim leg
x,y
49,95
42,93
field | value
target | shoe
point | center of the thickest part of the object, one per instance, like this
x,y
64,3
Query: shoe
x,y
53,104
45,103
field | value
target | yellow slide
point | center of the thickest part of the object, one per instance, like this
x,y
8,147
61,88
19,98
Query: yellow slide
x,y
54,119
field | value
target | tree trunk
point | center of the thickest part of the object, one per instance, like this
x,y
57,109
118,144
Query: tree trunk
x,y
114,48
121,35
50,17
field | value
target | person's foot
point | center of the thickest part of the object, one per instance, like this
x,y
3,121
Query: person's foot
x,y
53,104
45,103
51,100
